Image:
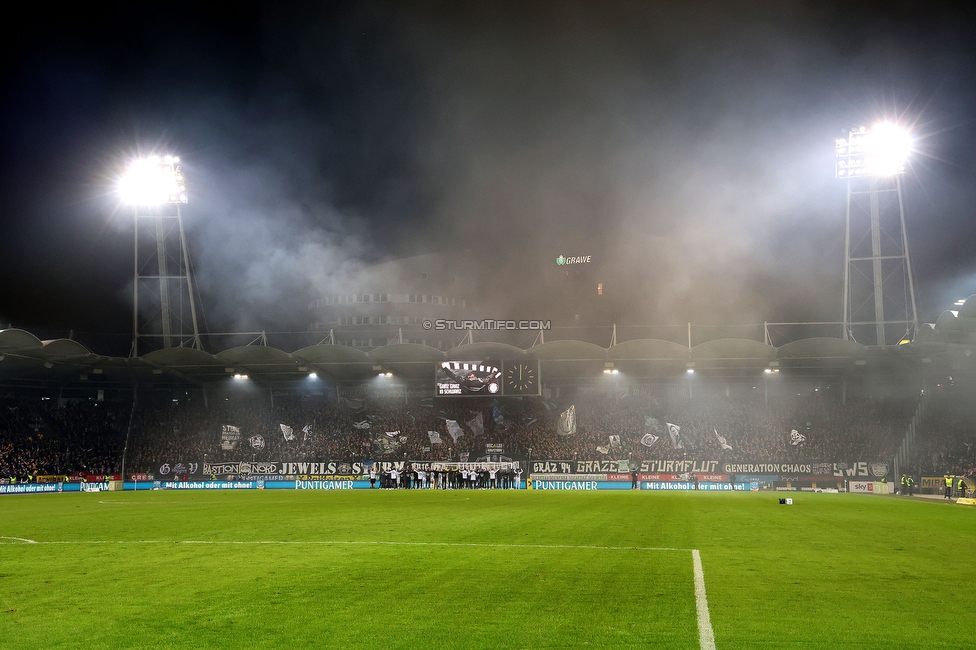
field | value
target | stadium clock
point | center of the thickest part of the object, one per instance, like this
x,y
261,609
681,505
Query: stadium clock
x,y
522,378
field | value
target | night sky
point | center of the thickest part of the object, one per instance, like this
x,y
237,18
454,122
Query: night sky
x,y
687,145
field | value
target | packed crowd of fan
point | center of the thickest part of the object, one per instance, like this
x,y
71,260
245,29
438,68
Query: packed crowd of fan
x,y
294,430
947,439
89,437
42,439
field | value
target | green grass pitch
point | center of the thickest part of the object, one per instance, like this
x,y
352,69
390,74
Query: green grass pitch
x,y
483,569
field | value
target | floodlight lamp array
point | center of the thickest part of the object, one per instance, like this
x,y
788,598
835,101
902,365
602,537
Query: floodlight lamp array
x,y
153,181
881,151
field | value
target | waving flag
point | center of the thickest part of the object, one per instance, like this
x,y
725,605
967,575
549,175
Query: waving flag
x,y
496,414
435,438
287,432
725,445
229,435
797,438
675,432
649,439
454,429
476,424
567,422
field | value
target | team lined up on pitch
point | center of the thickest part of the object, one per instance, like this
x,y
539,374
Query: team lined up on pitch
x,y
457,477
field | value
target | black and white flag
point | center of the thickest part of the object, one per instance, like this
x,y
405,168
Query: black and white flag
x,y
675,432
229,435
649,439
797,438
435,438
362,424
567,422
725,445
454,429
614,441
287,432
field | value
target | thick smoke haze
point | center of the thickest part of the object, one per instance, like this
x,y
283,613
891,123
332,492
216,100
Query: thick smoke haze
x,y
687,146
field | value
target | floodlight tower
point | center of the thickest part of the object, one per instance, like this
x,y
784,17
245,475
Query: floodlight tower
x,y
155,188
879,288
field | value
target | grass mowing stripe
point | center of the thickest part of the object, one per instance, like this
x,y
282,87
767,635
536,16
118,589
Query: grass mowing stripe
x,y
337,542
161,596
705,634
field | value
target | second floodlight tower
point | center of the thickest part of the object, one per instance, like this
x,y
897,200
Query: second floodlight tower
x,y
164,312
879,288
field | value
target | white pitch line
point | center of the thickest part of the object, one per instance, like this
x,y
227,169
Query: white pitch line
x,y
706,636
348,543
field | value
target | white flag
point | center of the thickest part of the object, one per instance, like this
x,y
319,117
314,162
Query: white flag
x,y
476,424
454,429
362,424
649,439
392,434
725,445
287,432
675,432
435,438
796,438
614,441
567,422
603,450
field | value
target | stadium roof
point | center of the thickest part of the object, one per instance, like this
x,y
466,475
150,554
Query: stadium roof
x,y
950,343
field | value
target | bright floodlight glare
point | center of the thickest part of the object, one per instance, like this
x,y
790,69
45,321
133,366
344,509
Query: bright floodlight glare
x,y
153,181
888,147
881,151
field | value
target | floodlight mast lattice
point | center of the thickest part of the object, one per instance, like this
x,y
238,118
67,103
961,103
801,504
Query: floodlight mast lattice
x,y
879,286
155,188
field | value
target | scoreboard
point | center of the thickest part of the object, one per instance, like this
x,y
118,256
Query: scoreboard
x,y
488,378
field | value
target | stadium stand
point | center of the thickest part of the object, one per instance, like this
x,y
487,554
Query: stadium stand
x,y
845,400
41,439
861,428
